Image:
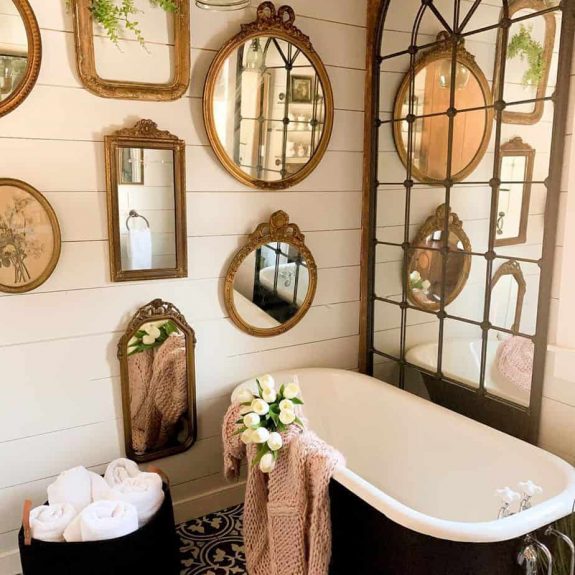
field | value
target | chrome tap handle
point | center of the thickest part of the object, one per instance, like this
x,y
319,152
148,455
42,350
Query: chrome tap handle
x,y
552,531
528,491
528,555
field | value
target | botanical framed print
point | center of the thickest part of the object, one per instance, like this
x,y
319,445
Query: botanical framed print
x,y
301,89
30,238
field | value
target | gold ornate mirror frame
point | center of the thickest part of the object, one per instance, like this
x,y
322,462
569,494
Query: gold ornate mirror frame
x,y
443,50
516,147
34,58
86,59
435,223
513,268
276,24
145,134
158,310
510,117
278,229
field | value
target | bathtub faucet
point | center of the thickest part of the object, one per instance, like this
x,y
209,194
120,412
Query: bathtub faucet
x,y
508,497
528,491
530,557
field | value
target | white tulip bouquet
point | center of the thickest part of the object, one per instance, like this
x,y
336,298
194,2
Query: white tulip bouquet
x,y
265,415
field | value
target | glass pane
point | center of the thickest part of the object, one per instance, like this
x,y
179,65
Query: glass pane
x,y
421,340
470,303
388,271
387,328
461,357
386,370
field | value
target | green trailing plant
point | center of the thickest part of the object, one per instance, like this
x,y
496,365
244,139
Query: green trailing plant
x,y
524,46
115,16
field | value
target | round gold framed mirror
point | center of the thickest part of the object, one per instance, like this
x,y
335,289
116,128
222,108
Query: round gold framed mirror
x,y
427,108
20,53
268,102
271,282
425,267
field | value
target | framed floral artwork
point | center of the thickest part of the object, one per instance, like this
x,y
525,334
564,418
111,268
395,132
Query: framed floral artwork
x,y
30,238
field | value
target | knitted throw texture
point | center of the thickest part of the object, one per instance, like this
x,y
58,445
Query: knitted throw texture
x,y
287,526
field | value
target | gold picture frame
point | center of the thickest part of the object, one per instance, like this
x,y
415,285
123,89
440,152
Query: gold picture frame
x,y
130,90
20,250
276,24
512,268
34,57
158,311
145,134
278,229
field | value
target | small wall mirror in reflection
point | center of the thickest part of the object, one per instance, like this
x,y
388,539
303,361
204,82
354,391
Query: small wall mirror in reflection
x,y
158,383
516,172
20,53
146,203
427,106
268,103
271,282
425,268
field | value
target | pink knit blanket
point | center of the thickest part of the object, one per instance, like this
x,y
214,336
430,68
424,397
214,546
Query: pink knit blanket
x,y
515,361
287,526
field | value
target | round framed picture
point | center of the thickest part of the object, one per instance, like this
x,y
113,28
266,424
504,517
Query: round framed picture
x,y
30,237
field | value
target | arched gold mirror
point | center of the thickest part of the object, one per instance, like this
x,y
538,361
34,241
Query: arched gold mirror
x,y
425,268
157,362
427,106
271,282
268,102
20,53
508,288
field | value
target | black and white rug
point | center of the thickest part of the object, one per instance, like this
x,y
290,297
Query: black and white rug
x,y
213,544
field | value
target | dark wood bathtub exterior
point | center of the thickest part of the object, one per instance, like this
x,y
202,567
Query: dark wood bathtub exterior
x,y
366,542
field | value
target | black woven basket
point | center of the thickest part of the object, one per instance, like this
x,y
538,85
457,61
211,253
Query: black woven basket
x,y
153,549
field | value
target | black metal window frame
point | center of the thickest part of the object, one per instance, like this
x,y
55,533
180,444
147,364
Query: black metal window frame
x,y
460,29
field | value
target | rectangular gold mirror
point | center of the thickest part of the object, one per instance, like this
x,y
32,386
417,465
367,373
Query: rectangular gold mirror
x,y
145,173
166,77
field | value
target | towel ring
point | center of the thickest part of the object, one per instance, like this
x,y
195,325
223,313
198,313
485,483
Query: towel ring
x,y
135,214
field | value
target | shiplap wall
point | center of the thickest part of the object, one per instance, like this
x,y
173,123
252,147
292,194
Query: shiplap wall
x,y
60,390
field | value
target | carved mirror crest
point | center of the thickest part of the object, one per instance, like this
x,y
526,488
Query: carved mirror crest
x,y
271,282
87,61
157,361
268,102
145,175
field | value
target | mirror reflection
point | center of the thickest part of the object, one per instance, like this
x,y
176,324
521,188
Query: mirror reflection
x,y
429,101
147,208
271,282
13,49
269,108
274,279
157,361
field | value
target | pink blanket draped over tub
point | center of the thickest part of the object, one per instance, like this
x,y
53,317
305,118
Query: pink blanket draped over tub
x,y
287,527
515,361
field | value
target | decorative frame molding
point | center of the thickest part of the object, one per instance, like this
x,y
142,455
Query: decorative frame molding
x,y
34,59
434,223
509,117
56,233
444,50
130,90
278,229
512,268
278,24
158,310
514,148
145,134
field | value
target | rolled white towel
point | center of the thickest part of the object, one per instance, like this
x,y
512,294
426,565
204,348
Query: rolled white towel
x,y
143,491
103,520
74,487
119,470
48,522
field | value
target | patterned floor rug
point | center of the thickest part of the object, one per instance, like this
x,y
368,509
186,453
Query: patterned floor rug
x,y
213,544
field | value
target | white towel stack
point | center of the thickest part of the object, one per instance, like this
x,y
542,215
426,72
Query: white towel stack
x,y
82,506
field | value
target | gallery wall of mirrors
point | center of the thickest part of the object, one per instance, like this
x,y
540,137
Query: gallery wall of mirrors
x,y
469,108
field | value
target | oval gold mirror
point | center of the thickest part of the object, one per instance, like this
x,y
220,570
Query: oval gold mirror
x,y
271,282
20,53
425,107
268,102
157,364
425,268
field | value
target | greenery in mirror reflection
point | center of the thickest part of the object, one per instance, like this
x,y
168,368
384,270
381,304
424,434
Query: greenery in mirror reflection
x,y
152,335
524,46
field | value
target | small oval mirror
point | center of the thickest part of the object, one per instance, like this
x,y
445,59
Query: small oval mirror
x,y
20,53
272,280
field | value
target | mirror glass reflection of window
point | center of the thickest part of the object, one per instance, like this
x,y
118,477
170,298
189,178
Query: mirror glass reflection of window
x,y
146,208
13,49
